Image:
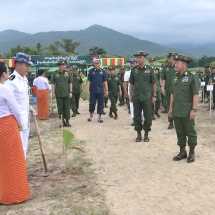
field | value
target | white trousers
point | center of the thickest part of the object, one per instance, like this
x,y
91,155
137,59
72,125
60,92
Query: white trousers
x,y
24,136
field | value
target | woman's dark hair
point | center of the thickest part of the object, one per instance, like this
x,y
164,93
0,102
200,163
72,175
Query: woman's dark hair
x,y
41,72
3,68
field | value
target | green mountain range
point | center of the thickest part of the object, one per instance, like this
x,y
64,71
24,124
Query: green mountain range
x,y
113,42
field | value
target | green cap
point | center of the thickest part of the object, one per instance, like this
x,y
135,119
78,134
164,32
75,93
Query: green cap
x,y
171,54
111,67
152,59
183,58
61,62
141,53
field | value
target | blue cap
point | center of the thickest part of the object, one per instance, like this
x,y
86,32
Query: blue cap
x,y
22,57
133,60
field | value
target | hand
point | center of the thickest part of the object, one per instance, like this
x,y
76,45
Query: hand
x,y
163,91
88,92
126,94
20,127
70,95
106,93
32,111
170,113
192,115
120,93
153,100
131,99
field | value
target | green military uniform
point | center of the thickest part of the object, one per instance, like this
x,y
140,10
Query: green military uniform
x,y
212,77
142,80
163,97
62,81
156,106
206,80
113,82
76,92
168,75
185,86
121,77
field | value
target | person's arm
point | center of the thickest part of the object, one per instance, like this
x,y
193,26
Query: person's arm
x,y
120,89
131,92
194,107
170,105
154,88
53,91
70,90
105,85
88,87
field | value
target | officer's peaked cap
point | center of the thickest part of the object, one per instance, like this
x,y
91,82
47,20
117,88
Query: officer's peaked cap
x,y
141,53
171,54
183,58
111,67
22,57
61,62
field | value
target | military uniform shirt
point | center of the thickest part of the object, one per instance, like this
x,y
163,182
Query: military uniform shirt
x,y
76,81
62,81
113,83
157,78
96,78
183,89
212,78
142,79
168,75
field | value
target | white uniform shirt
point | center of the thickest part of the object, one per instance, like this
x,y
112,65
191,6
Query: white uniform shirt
x,y
41,83
19,86
126,78
8,104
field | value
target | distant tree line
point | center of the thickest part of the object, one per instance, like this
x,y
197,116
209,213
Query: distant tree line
x,y
67,47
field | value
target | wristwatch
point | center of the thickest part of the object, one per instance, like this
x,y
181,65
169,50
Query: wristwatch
x,y
194,109
154,96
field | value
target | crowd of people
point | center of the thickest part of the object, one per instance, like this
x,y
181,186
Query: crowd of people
x,y
143,88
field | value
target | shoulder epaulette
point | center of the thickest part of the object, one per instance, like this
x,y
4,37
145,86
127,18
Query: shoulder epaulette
x,y
11,77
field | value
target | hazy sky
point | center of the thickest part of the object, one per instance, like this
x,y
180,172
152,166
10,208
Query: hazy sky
x,y
159,21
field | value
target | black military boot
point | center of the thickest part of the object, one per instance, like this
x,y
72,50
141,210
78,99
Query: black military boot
x,y
74,114
67,123
191,157
111,115
116,115
132,124
139,136
77,112
171,126
63,123
181,155
153,117
157,114
146,136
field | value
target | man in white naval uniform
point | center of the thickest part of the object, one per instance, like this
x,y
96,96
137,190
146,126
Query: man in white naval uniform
x,y
19,85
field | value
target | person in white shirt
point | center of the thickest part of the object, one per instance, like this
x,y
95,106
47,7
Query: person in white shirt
x,y
14,186
18,83
41,90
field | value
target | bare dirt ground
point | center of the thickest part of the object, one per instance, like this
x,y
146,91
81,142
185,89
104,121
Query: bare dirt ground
x,y
117,176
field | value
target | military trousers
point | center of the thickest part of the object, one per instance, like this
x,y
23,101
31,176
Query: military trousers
x,y
122,97
113,100
185,129
75,101
146,107
63,106
94,97
157,104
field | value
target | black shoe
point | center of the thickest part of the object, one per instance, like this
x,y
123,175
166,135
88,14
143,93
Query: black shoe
x,y
103,113
191,157
139,137
201,101
171,126
74,114
106,106
111,115
77,112
182,155
146,137
67,124
129,112
120,104
90,117
157,114
116,115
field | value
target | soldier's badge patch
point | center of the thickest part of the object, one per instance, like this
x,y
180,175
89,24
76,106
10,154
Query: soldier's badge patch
x,y
116,78
100,72
66,74
147,71
185,79
136,70
57,75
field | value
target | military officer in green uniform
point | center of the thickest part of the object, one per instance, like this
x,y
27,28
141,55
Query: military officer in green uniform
x,y
205,79
212,82
77,88
114,86
183,107
156,106
168,75
121,77
142,94
61,83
